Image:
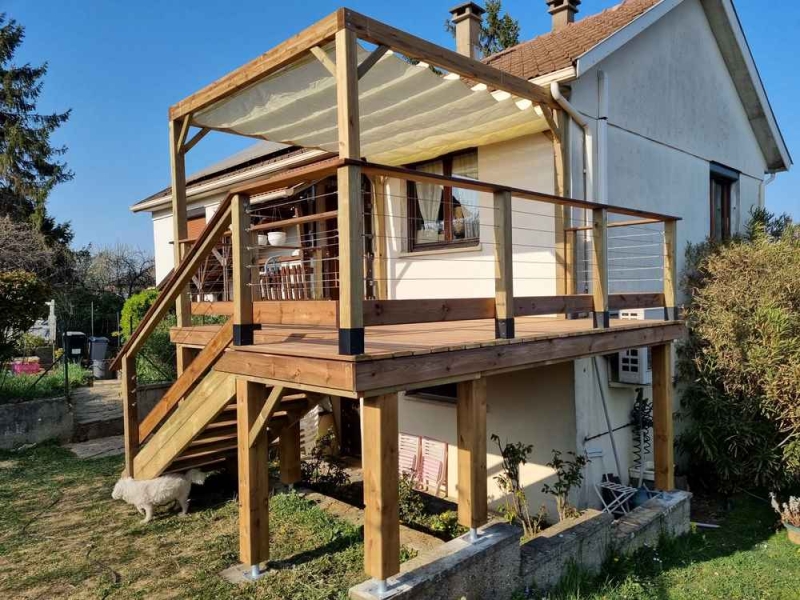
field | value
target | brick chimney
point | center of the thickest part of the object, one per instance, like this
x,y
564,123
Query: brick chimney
x,y
467,21
563,12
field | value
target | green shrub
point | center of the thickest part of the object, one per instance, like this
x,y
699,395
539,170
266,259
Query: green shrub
x,y
15,388
22,301
156,360
741,363
28,342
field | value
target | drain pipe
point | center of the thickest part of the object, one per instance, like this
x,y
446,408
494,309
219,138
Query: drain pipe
x,y
762,196
588,161
588,144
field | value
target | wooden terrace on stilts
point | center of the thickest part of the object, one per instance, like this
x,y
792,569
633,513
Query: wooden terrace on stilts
x,y
247,382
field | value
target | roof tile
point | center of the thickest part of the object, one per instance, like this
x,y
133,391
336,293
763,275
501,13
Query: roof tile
x,y
560,49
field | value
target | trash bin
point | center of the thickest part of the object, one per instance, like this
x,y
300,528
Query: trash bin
x,y
97,348
74,346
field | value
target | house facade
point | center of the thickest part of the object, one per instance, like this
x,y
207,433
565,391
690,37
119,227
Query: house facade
x,y
664,111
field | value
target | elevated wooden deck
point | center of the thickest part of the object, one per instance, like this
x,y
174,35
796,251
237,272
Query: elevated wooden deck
x,y
417,355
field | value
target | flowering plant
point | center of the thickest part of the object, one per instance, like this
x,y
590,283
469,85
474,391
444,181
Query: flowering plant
x,y
789,511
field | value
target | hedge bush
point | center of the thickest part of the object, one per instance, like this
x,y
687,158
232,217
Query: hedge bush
x,y
741,363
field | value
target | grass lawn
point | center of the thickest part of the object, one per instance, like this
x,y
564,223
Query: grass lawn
x,y
749,557
61,536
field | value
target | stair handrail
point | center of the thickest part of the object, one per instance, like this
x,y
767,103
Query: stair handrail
x,y
178,281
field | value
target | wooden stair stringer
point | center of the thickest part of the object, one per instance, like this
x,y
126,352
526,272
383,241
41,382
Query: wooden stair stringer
x,y
203,362
203,404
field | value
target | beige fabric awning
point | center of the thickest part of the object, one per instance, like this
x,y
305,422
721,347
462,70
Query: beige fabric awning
x,y
407,112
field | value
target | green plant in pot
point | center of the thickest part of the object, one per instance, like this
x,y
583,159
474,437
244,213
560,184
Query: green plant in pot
x,y
790,515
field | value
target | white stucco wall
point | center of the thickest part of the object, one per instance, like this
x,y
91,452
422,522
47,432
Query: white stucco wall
x,y
532,406
162,231
672,110
526,162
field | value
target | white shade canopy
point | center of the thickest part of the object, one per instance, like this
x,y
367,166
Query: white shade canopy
x,y
407,112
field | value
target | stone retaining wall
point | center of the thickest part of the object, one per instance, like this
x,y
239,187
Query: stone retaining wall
x,y
35,421
498,566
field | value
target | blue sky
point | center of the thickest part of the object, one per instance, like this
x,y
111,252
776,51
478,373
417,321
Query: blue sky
x,y
120,65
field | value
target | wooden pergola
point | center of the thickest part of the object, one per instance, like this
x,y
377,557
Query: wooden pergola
x,y
351,373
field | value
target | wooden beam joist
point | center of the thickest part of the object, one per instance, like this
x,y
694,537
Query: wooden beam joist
x,y
323,58
280,56
265,413
375,32
371,60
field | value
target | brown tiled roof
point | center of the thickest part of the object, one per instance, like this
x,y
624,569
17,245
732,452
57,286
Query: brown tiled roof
x,y
560,49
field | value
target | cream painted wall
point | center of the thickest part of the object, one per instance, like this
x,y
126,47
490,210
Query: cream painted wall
x,y
526,162
533,406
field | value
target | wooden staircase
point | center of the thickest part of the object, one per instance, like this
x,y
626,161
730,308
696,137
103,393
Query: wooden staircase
x,y
203,430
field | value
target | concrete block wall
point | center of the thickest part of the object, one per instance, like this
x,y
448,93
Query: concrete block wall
x,y
498,565
35,421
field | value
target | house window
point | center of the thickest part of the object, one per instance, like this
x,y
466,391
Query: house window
x,y
723,181
440,216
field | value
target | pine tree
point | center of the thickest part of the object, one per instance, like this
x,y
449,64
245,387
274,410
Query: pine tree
x,y
497,33
29,163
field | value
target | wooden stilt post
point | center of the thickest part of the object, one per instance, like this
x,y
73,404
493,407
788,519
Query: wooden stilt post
x,y
600,267
177,135
471,425
503,267
351,202
130,412
243,326
662,417
381,485
290,454
253,476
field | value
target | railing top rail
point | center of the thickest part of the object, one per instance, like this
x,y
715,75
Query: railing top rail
x,y
484,186
328,167
176,281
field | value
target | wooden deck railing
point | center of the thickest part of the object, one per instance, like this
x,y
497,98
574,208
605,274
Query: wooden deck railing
x,y
354,309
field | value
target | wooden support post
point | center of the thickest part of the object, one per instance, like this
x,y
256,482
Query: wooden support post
x,y
290,454
503,267
662,417
570,279
600,267
243,326
564,241
381,487
351,202
670,270
471,425
253,476
130,412
183,313
380,239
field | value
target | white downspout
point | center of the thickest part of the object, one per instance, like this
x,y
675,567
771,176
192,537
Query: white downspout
x,y
588,155
588,144
762,193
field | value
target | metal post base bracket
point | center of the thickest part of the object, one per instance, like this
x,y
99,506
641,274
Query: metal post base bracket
x,y
255,573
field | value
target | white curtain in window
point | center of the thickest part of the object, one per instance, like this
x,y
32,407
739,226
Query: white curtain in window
x,y
429,200
466,218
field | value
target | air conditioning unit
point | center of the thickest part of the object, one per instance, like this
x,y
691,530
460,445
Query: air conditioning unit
x,y
634,365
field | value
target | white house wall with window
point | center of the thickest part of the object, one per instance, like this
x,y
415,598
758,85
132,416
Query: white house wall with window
x,y
429,259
